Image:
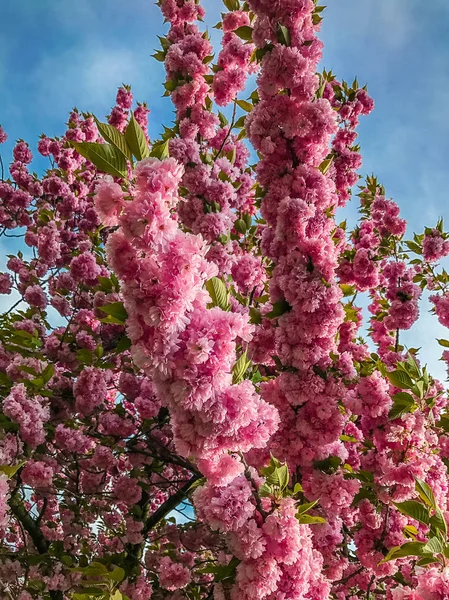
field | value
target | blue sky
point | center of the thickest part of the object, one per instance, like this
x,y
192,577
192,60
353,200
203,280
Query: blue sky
x,y
56,54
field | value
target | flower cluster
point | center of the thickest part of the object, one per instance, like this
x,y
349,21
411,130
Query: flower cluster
x,y
187,340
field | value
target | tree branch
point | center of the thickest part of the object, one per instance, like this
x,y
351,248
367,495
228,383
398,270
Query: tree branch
x,y
171,503
20,512
32,528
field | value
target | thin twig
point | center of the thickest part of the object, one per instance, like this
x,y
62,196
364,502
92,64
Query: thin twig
x,y
229,131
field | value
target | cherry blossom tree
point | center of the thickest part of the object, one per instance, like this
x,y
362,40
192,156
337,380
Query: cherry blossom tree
x,y
187,340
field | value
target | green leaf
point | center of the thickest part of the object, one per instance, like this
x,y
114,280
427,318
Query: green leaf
x,y
115,310
245,32
413,509
400,379
240,368
66,560
438,522
232,4
410,531
310,520
106,157
328,465
240,226
302,508
160,150
276,473
444,343
247,106
36,584
136,140
114,137
434,546
256,316
273,464
48,373
283,35
123,344
218,293
297,489
407,549
428,560
279,308
348,290
117,574
324,168
266,490
425,493
159,55
414,247
403,403
11,471
240,122
279,477
85,356
222,572
199,482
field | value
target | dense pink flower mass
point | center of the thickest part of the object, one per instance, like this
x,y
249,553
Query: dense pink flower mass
x,y
188,407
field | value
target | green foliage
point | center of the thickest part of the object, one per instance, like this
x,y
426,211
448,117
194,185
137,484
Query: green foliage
x,y
403,403
218,293
222,573
160,150
400,379
114,137
232,4
279,308
240,226
407,549
413,509
106,157
276,478
98,582
310,519
10,471
408,376
240,368
429,514
283,35
116,313
136,140
246,106
425,493
245,32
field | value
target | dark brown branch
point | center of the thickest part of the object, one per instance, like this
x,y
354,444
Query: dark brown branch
x,y
135,551
32,528
171,503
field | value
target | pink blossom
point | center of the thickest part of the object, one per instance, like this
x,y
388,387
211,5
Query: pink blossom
x,y
22,153
5,283
127,490
90,389
109,203
4,508
30,413
84,268
35,296
38,474
172,575
226,508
